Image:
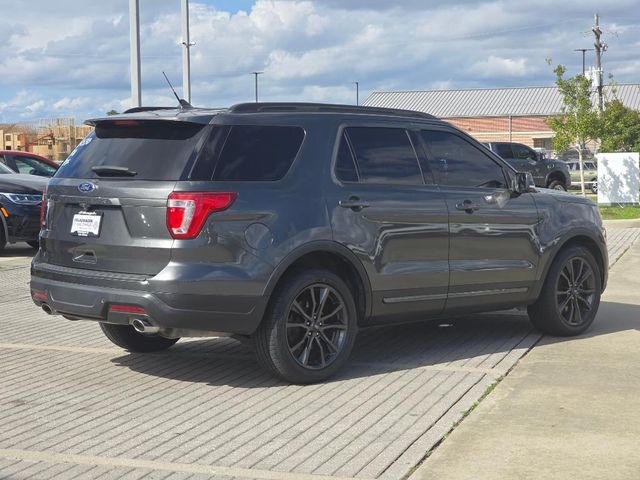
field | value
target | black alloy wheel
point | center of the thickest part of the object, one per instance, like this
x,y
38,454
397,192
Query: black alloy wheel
x,y
570,297
316,326
309,328
576,291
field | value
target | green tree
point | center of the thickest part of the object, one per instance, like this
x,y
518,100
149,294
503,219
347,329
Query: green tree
x,y
619,128
578,123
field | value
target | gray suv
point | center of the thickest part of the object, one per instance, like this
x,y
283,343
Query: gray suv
x,y
294,225
546,172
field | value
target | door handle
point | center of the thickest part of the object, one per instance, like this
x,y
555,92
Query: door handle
x,y
354,203
467,206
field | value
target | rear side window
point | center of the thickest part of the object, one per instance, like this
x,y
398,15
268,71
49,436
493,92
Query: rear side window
x,y
384,155
254,153
154,150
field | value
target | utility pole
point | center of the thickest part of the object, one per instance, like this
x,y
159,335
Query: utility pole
x,y
600,48
256,78
134,30
186,57
357,84
583,50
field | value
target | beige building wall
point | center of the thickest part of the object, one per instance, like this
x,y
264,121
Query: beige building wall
x,y
532,131
11,140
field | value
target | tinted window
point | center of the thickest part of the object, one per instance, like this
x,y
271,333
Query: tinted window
x,y
258,153
385,155
345,166
522,152
457,162
154,150
504,150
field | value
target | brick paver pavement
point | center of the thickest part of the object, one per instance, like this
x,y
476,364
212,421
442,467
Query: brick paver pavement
x,y
75,406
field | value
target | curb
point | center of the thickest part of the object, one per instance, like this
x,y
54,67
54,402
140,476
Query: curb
x,y
629,223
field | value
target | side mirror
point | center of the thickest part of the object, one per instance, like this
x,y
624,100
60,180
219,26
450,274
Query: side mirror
x,y
522,182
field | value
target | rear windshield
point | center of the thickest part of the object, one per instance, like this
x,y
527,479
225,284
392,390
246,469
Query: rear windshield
x,y
153,150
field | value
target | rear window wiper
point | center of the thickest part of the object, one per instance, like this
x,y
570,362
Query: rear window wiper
x,y
113,171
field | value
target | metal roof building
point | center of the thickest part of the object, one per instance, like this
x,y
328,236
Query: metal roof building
x,y
490,102
496,114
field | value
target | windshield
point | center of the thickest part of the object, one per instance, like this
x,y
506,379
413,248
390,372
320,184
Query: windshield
x,y
5,169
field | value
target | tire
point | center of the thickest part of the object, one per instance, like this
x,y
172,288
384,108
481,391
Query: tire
x,y
557,185
126,337
594,187
3,241
34,244
292,341
554,312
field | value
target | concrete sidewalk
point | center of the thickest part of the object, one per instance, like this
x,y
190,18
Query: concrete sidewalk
x,y
570,409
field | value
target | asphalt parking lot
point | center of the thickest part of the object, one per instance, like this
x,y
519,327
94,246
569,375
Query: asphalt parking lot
x,y
75,406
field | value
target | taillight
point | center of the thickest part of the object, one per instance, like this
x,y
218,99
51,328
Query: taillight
x,y
43,209
187,211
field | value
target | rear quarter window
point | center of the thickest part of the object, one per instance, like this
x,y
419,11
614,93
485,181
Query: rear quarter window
x,y
253,153
154,150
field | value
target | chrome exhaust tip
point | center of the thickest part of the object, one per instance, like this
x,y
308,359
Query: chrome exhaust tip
x,y
143,326
47,309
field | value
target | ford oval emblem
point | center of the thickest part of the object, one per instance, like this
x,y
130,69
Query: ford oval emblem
x,y
87,187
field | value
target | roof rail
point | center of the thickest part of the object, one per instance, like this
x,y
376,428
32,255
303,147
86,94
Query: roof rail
x,y
147,109
322,107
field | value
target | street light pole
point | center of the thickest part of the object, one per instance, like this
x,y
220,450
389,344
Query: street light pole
x,y
134,41
256,79
186,57
357,84
583,50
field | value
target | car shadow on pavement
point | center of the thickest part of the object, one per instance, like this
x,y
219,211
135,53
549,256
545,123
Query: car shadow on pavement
x,y
612,317
17,250
472,342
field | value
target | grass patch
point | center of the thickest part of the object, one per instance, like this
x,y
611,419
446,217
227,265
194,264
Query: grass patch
x,y
620,213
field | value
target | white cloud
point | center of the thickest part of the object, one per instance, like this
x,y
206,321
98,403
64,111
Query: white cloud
x,y
77,62
494,67
35,106
72,104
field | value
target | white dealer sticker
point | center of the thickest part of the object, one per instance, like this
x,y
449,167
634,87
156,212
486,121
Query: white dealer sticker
x,y
86,224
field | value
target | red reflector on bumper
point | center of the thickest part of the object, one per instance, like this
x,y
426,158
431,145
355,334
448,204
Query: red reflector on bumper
x,y
127,309
40,296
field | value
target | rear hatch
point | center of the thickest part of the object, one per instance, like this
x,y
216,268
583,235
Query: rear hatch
x,y
107,204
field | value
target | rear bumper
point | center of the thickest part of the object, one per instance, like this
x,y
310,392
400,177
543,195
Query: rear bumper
x,y
237,314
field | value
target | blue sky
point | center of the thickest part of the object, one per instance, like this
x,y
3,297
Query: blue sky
x,y
71,57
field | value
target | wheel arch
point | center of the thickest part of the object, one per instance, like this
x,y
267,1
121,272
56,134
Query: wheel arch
x,y
583,238
558,175
328,255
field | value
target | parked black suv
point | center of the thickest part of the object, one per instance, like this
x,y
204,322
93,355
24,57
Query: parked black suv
x,y
294,225
547,172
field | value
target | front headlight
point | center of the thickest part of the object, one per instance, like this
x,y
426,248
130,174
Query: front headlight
x,y
23,198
